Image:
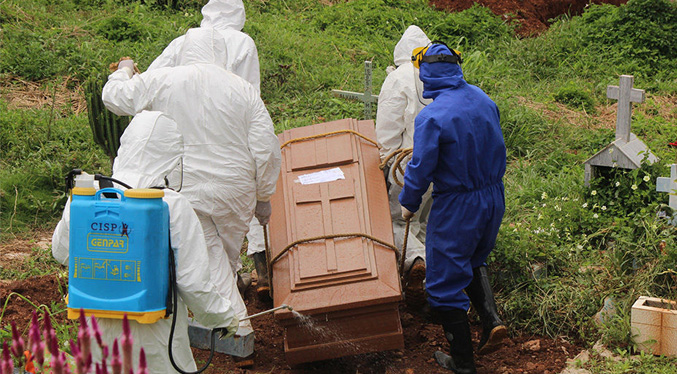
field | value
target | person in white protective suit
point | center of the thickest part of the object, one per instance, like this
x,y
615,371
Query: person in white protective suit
x,y
398,104
232,156
228,18
150,148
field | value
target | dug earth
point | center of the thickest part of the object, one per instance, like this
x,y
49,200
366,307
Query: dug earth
x,y
532,16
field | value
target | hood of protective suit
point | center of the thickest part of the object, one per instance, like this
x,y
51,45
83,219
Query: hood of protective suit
x,y
223,14
439,76
150,148
412,38
202,46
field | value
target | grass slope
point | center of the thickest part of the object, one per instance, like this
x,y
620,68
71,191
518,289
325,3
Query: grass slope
x,y
563,248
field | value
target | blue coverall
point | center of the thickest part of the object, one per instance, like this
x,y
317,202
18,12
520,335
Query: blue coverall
x,y
459,147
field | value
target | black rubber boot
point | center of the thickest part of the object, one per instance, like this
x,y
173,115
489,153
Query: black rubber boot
x,y
494,331
243,282
263,283
414,288
457,332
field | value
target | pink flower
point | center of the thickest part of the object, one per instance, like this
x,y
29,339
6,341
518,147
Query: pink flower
x,y
115,363
18,346
97,332
85,343
142,363
126,343
50,336
58,363
7,366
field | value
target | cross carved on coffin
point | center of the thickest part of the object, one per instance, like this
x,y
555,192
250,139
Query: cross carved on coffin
x,y
626,95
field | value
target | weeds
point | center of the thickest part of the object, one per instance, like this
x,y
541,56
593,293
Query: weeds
x,y
561,251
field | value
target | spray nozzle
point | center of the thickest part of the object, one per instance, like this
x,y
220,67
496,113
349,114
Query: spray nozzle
x,y
283,306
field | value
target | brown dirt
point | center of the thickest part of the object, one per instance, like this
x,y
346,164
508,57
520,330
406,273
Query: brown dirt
x,y
20,298
533,15
65,96
421,340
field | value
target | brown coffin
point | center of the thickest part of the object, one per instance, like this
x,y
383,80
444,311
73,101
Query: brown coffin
x,y
348,286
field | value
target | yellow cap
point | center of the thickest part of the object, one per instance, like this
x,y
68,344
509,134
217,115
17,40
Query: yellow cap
x,y
84,191
144,193
417,55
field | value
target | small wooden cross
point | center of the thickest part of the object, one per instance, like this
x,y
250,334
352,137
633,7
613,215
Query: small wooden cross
x,y
626,95
367,98
669,185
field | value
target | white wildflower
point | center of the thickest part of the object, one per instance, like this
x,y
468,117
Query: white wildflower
x,y
593,193
544,196
646,178
618,183
634,187
603,207
585,205
595,215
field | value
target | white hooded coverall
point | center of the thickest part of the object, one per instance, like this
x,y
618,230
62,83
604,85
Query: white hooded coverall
x,y
232,156
228,18
150,147
398,104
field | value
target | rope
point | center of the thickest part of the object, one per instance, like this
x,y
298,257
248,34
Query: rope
x,y
331,133
398,165
332,236
401,154
392,154
404,248
269,265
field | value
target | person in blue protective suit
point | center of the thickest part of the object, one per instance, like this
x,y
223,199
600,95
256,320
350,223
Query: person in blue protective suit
x,y
459,147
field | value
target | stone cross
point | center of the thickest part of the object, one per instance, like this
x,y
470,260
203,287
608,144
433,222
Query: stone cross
x,y
626,95
367,98
669,185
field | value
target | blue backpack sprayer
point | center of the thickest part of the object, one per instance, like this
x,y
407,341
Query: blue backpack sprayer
x,y
120,256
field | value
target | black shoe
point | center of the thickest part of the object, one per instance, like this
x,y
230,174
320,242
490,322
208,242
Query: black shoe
x,y
494,331
414,289
263,282
457,332
445,361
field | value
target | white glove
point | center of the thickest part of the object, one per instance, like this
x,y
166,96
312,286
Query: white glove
x,y
406,214
127,66
232,328
263,211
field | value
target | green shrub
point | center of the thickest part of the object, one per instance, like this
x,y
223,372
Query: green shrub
x,y
119,27
472,27
644,31
618,192
573,96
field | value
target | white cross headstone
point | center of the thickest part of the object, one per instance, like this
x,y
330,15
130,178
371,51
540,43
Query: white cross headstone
x,y
367,98
669,185
626,95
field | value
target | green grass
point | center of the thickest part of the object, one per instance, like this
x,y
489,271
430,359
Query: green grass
x,y
559,253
